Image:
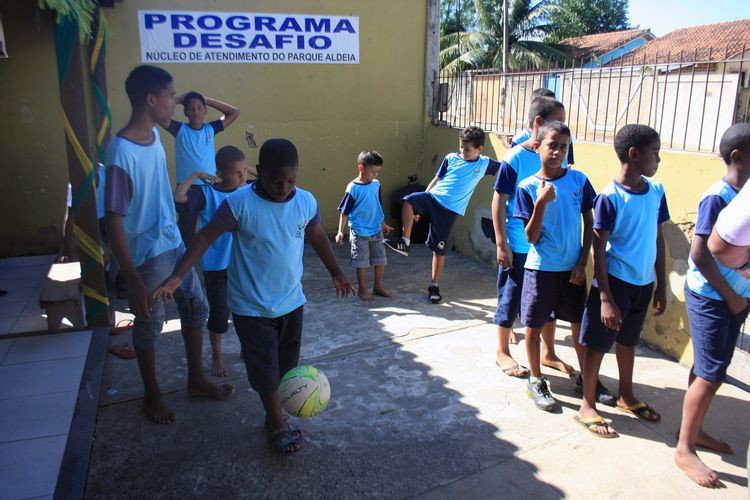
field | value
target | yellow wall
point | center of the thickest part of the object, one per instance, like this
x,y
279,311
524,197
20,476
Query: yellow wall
x,y
34,165
331,112
685,176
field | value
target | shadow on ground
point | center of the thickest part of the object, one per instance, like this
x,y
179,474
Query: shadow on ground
x,y
397,426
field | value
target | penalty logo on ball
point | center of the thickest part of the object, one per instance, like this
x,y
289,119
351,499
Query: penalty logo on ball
x,y
304,391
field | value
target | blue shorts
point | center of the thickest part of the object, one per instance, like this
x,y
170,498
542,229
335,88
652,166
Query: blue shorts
x,y
509,286
545,292
633,302
191,303
270,347
441,219
714,331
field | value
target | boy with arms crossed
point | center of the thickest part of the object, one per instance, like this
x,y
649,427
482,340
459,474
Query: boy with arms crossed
x,y
716,298
628,256
269,221
361,207
143,235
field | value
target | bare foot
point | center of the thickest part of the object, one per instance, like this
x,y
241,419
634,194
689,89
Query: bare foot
x,y
364,294
695,469
218,369
559,365
383,292
157,410
512,338
203,388
711,443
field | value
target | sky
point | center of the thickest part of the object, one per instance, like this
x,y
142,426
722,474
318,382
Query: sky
x,y
663,16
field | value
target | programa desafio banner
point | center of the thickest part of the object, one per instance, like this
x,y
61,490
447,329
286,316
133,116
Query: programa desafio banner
x,y
169,36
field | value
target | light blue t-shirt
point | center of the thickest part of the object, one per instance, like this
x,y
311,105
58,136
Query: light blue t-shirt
x,y
209,200
100,188
459,178
138,187
518,164
265,269
632,220
361,203
524,136
559,244
712,202
194,149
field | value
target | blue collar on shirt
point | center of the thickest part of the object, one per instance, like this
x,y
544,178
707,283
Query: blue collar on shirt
x,y
257,187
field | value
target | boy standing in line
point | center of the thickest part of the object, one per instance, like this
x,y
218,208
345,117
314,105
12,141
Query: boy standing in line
x,y
527,133
445,198
628,256
716,298
551,204
194,146
232,174
142,230
362,208
269,221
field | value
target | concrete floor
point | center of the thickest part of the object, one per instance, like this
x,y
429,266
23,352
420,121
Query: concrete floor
x,y
418,409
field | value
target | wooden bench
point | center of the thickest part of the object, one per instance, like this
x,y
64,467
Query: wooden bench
x,y
61,296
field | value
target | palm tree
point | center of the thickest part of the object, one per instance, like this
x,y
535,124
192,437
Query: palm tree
x,y
483,47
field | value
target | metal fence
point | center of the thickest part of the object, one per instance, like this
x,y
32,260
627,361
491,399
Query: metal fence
x,y
690,99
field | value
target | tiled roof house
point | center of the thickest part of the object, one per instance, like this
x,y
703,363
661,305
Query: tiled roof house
x,y
714,42
600,48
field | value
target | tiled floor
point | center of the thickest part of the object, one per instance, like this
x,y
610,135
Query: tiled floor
x,y
39,381
40,377
22,278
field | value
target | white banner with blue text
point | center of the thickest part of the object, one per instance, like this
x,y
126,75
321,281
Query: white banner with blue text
x,y
169,36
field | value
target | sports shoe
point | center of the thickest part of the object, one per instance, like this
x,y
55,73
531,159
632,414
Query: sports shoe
x,y
434,293
540,394
603,395
398,246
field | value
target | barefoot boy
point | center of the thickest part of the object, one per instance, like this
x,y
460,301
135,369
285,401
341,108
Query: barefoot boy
x,y
204,201
716,298
194,145
628,257
142,229
361,207
445,198
269,221
551,204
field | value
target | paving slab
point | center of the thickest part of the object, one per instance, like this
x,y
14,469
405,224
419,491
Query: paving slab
x,y
418,409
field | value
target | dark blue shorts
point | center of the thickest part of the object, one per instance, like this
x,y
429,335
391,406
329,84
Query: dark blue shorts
x,y
441,219
270,347
218,306
714,331
545,292
509,286
633,302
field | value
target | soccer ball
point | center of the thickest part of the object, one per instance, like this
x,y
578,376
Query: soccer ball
x,y
304,391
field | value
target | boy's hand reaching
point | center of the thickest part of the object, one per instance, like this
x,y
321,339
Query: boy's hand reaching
x,y
504,256
578,275
343,285
139,299
546,192
166,291
737,304
611,316
660,300
339,238
206,177
387,229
